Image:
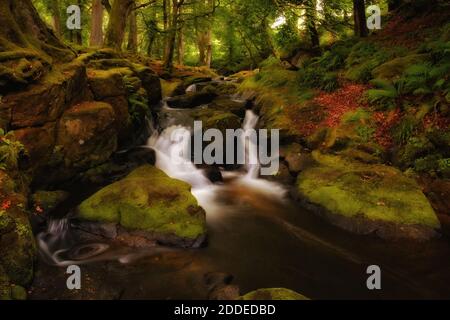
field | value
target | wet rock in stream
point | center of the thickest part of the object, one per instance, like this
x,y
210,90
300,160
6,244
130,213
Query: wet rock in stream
x,y
147,204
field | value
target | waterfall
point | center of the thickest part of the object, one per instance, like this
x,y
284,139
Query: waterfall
x,y
251,149
171,158
191,88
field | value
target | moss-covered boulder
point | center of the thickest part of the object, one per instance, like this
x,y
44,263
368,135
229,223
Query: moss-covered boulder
x,y
213,119
38,142
192,99
395,68
17,246
87,134
367,198
149,204
273,294
237,107
107,83
46,100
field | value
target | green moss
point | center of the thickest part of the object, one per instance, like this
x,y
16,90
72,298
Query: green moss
x,y
148,200
5,286
48,200
273,294
377,192
395,68
18,293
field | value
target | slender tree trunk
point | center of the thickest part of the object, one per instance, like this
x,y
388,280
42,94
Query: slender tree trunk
x,y
56,17
96,39
168,62
230,43
180,47
311,16
132,33
117,23
267,38
359,16
208,48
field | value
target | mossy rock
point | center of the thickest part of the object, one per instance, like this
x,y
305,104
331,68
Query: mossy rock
x,y
213,119
38,142
273,294
394,68
48,200
46,100
226,104
192,99
5,286
415,148
17,245
367,198
88,135
108,83
149,202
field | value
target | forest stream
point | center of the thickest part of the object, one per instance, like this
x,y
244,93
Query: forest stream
x,y
257,234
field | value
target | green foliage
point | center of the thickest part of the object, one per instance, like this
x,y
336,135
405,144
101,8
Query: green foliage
x,y
359,115
363,58
365,132
138,103
384,95
404,130
10,151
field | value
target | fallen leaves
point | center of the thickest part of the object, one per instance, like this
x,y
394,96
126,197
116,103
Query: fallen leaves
x,y
338,103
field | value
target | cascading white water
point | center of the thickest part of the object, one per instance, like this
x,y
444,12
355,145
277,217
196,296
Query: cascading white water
x,y
191,88
170,159
251,150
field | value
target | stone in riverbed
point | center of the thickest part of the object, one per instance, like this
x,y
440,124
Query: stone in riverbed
x,y
273,294
191,100
150,205
367,198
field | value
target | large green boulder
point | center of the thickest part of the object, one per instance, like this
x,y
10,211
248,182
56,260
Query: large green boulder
x,y
149,204
367,198
273,294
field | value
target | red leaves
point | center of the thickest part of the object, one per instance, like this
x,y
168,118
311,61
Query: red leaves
x,y
384,123
436,120
39,210
6,205
338,103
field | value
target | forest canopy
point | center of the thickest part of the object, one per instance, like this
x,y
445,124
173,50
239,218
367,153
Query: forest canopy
x,y
229,35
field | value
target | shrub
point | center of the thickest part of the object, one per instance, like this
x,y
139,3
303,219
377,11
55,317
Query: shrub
x,y
404,130
384,95
365,132
10,151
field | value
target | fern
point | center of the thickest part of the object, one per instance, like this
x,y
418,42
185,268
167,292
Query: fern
x,y
385,95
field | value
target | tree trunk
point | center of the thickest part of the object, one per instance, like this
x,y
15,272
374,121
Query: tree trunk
x,y
28,46
208,49
56,17
97,24
132,32
117,23
180,47
311,16
359,16
168,61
